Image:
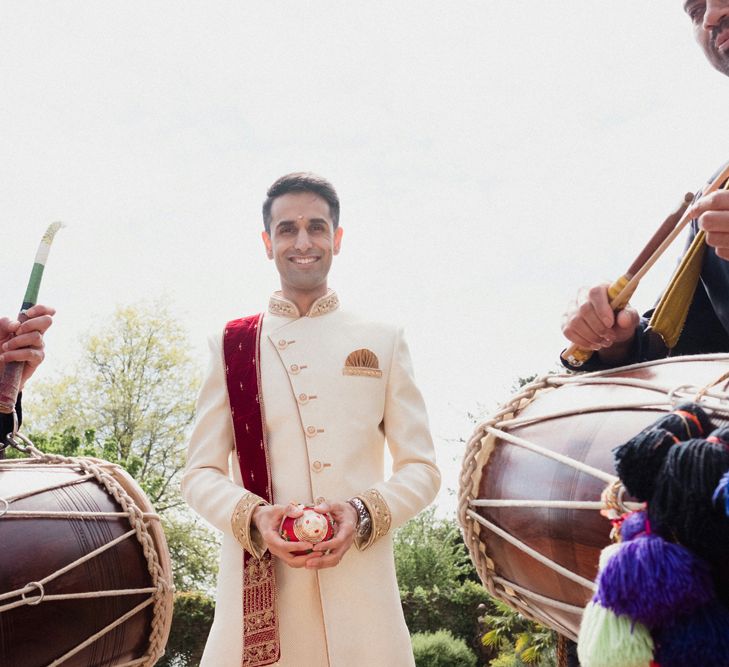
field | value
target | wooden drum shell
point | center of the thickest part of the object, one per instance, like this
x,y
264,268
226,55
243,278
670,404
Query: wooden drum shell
x,y
33,548
582,417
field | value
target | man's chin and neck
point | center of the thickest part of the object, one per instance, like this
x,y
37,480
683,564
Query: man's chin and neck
x,y
303,297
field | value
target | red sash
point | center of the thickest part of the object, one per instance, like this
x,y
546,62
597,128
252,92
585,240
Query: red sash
x,y
242,351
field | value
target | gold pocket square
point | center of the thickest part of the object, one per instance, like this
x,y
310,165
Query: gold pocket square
x,y
362,362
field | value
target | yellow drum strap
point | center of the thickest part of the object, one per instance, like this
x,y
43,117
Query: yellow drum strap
x,y
670,314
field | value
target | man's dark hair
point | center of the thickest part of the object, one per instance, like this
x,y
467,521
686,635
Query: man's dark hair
x,y
301,181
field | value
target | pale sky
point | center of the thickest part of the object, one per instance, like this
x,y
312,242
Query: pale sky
x,y
491,158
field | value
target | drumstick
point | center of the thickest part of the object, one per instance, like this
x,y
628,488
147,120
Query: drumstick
x,y
13,372
622,289
576,355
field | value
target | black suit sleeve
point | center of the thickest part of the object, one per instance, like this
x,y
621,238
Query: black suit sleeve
x,y
703,332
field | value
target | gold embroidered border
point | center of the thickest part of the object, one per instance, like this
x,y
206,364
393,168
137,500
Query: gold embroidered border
x,y
241,523
324,305
260,621
278,305
358,370
379,513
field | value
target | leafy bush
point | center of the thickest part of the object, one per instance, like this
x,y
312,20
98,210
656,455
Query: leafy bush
x,y
519,641
455,608
191,623
429,552
441,649
439,587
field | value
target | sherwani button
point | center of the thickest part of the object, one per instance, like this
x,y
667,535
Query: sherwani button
x,y
311,431
294,368
317,466
282,344
303,398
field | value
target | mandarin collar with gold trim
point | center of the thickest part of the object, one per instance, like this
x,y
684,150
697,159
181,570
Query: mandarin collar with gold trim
x,y
278,304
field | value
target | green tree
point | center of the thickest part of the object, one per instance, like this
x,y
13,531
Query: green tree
x,y
191,621
441,649
135,388
520,642
130,400
439,587
429,553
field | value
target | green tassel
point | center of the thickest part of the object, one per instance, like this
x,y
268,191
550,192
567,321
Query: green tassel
x,y
607,640
606,554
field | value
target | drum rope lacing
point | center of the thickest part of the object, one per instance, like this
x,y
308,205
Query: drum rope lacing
x,y
159,592
475,459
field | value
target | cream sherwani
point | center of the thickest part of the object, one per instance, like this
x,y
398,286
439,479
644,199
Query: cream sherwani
x,y
328,415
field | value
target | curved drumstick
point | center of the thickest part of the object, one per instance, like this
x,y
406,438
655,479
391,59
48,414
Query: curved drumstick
x,y
623,288
10,380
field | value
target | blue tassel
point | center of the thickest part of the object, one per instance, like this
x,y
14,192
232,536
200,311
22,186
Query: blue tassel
x,y
700,639
721,495
651,580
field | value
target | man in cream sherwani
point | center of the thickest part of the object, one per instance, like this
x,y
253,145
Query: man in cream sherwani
x,y
335,389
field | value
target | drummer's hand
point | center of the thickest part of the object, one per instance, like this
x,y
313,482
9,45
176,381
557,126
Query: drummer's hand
x,y
345,526
267,519
713,214
591,324
24,342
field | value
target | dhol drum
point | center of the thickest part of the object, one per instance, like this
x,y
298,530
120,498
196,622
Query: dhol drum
x,y
85,575
536,476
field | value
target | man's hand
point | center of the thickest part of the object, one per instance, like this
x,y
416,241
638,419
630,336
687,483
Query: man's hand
x,y
591,324
267,519
332,551
713,214
24,342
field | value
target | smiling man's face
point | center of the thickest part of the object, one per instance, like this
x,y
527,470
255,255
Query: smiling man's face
x,y
710,20
302,242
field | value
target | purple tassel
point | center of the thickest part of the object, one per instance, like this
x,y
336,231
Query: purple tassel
x,y
633,525
652,580
700,639
721,495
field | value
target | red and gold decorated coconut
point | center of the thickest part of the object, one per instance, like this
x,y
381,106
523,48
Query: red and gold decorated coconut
x,y
311,526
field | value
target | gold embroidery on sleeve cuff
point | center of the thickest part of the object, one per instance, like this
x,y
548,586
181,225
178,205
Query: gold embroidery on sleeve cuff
x,y
379,513
241,523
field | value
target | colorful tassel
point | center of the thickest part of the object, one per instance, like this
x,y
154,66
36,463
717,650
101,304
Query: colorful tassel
x,y
638,461
606,554
682,503
608,640
651,580
700,639
632,525
687,421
